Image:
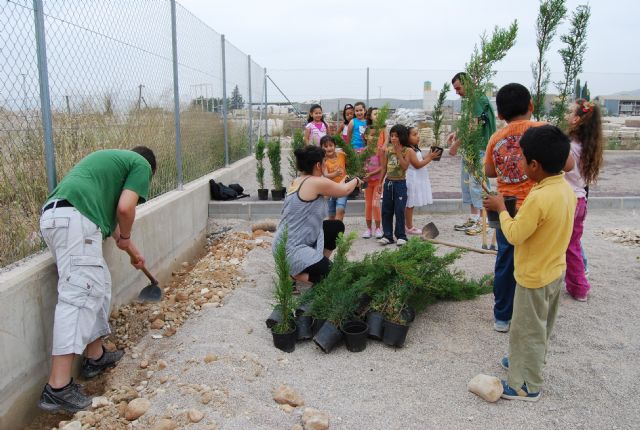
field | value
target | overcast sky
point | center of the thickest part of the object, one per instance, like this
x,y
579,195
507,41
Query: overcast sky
x,y
427,40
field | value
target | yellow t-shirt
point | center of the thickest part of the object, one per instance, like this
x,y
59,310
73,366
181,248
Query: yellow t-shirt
x,y
394,169
541,231
332,164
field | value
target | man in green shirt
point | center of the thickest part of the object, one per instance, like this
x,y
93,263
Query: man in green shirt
x,y
471,189
95,200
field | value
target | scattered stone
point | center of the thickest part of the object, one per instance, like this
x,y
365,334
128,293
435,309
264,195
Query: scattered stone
x,y
144,364
162,364
195,416
286,395
136,408
169,332
206,398
156,336
313,419
100,402
264,226
157,324
209,358
73,425
164,424
182,296
487,387
163,379
287,408
185,264
297,427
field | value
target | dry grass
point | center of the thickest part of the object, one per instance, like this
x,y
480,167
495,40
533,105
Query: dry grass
x,y
23,185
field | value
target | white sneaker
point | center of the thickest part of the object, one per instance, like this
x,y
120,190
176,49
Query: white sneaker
x,y
400,242
366,234
379,233
384,241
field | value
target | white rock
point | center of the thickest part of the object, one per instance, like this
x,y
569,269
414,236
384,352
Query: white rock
x,y
195,416
73,425
99,402
487,387
313,419
136,408
286,395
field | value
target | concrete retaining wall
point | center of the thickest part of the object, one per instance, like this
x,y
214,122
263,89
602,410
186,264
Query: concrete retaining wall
x,y
168,230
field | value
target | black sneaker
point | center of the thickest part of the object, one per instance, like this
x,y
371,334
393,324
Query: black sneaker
x,y
71,399
92,368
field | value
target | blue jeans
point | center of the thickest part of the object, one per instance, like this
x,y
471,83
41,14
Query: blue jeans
x,y
504,284
471,189
334,203
394,201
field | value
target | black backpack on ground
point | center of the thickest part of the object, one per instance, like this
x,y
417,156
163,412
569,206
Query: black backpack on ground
x,y
220,191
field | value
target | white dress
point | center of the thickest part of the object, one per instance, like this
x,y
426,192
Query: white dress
x,y
418,186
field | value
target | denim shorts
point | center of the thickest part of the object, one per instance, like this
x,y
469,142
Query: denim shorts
x,y
335,203
471,189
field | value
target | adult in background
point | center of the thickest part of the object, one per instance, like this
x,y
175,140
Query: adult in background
x,y
311,239
95,200
471,189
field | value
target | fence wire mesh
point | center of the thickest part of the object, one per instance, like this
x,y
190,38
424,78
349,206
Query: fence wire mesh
x,y
110,76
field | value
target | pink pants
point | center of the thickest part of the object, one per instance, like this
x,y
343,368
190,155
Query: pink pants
x,y
577,284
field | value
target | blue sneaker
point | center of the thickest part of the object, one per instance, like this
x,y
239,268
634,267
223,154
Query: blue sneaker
x,y
505,363
502,326
521,394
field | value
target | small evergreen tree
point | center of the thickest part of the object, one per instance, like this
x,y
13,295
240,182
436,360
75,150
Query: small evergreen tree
x,y
550,15
274,155
283,292
260,147
236,102
572,57
438,112
296,143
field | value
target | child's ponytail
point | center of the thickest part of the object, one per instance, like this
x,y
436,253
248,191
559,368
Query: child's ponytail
x,y
587,130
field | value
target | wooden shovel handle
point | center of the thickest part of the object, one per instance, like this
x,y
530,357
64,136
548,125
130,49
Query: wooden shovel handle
x,y
457,245
143,268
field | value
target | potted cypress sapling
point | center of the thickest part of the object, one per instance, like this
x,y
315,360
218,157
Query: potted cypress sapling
x,y
438,117
284,331
274,155
263,193
296,143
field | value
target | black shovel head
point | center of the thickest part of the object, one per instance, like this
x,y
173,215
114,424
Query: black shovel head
x,y
430,231
150,293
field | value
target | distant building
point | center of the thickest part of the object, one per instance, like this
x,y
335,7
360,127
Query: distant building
x,y
429,97
620,104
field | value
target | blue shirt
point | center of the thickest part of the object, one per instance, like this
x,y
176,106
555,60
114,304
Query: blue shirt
x,y
359,129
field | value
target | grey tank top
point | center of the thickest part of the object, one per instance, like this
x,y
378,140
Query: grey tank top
x,y
305,244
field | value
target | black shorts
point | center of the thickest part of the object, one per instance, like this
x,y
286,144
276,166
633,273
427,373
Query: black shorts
x,y
319,270
331,228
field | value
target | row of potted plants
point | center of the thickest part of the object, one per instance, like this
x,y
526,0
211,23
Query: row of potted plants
x,y
377,297
272,150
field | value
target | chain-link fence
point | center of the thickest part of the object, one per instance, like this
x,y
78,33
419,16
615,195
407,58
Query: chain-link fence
x,y
108,69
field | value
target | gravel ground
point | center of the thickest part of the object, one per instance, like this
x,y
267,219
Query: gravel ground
x,y
591,374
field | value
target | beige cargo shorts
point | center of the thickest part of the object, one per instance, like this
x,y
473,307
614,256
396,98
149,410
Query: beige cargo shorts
x,y
84,284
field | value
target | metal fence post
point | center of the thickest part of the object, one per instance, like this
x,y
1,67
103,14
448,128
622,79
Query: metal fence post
x,y
367,86
266,120
45,98
224,104
176,96
250,107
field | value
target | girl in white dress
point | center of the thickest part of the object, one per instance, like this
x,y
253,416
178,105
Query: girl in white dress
x,y
418,184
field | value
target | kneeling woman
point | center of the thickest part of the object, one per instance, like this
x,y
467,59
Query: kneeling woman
x,y
311,240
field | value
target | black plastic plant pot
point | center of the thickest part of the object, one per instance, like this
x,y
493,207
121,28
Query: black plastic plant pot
x,y
302,309
305,327
285,341
375,322
355,335
510,203
274,318
354,194
263,194
317,325
277,194
439,151
408,314
328,337
394,334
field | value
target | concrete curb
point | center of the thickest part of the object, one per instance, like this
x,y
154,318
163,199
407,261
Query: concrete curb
x,y
256,210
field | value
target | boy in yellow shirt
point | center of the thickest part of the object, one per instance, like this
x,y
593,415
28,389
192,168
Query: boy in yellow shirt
x,y
540,233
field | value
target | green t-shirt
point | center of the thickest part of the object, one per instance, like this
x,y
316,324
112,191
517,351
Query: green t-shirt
x,y
486,119
94,185
394,169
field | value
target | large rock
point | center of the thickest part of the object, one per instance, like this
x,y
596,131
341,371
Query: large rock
x,y
485,386
195,416
313,419
136,408
164,424
286,395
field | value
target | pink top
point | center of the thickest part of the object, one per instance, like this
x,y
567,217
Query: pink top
x,y
318,130
574,177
